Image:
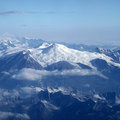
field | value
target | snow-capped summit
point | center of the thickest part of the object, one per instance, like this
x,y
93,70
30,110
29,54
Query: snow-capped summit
x,y
56,52
47,53
45,45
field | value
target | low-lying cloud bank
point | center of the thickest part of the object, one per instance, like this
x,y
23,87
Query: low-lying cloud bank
x,y
6,115
32,74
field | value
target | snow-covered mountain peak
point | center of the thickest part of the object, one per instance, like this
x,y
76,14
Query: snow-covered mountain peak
x,y
44,45
58,48
48,53
57,52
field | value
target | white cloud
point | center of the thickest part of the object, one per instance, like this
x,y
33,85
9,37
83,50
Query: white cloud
x,y
6,115
30,90
8,93
28,74
32,74
6,73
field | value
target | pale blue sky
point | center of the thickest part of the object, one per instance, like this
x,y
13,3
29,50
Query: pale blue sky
x,y
76,21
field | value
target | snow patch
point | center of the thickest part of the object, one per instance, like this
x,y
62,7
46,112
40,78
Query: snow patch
x,y
49,106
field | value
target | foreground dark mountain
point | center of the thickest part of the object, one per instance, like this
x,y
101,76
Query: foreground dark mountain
x,y
45,81
57,106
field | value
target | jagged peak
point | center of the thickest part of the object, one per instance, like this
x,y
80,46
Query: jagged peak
x,y
44,45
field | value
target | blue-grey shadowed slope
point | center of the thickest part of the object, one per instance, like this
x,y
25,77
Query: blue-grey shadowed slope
x,y
84,66
100,64
18,61
111,71
61,65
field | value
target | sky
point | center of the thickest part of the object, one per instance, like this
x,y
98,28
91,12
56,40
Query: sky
x,y
71,21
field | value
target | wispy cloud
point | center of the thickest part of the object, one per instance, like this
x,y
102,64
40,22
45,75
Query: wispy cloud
x,y
25,12
31,74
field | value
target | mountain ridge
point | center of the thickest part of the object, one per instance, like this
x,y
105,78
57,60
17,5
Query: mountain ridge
x,y
53,81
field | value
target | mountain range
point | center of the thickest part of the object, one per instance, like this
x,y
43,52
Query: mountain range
x,y
41,80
